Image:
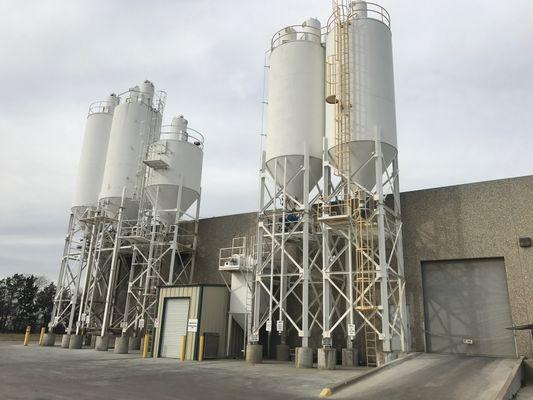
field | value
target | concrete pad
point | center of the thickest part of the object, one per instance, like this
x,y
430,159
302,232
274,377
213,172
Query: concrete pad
x,y
33,372
434,376
75,342
121,345
327,358
282,352
49,339
303,357
254,353
65,341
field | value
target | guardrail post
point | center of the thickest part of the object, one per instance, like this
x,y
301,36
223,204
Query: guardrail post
x,y
201,349
41,336
183,347
145,345
27,335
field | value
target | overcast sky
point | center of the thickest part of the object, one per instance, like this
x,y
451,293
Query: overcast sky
x,y
464,94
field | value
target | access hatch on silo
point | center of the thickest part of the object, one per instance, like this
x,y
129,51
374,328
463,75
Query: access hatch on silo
x,y
466,307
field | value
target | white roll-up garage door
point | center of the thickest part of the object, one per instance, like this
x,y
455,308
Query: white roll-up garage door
x,y
175,316
467,307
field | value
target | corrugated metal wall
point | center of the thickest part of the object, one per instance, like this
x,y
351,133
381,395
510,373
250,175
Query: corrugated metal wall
x,y
215,314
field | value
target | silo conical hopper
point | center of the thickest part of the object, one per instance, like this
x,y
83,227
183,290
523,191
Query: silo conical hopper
x,y
295,105
372,94
175,160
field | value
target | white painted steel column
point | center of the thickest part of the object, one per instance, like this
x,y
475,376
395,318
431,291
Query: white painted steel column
x,y
112,270
382,272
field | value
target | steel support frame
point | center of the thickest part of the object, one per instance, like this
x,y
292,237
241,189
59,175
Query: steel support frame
x,y
342,298
288,256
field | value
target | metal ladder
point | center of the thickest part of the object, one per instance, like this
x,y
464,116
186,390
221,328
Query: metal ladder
x,y
371,344
343,90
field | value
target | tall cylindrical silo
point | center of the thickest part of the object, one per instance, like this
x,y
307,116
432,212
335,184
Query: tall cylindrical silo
x,y
93,155
295,105
135,123
175,162
372,91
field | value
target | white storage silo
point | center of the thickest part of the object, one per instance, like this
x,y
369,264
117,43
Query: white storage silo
x,y
93,155
175,161
295,105
372,95
135,123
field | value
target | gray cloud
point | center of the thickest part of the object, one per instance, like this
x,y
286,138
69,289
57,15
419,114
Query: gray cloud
x,y
463,82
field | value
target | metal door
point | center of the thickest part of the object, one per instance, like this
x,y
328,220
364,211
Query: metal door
x,y
174,327
467,307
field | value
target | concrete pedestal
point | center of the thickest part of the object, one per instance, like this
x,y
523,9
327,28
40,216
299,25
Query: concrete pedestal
x,y
303,357
349,357
254,353
327,358
49,339
75,341
282,352
135,343
121,345
65,341
102,343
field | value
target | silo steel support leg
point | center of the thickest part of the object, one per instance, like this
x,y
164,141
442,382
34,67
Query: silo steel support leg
x,y
112,269
383,262
305,252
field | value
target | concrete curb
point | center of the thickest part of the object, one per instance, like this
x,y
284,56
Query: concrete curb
x,y
512,383
335,387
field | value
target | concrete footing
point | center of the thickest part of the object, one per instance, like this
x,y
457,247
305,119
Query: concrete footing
x,y
327,358
254,353
65,341
75,342
121,345
102,343
303,357
135,343
49,339
349,358
282,352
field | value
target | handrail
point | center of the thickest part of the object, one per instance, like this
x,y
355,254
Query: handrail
x,y
372,11
298,32
195,137
102,107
